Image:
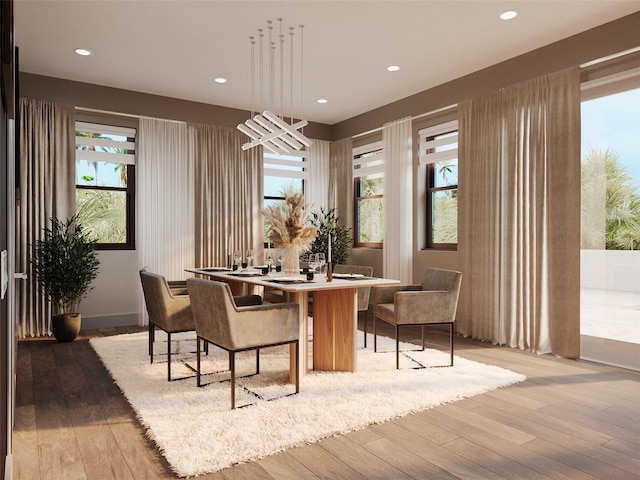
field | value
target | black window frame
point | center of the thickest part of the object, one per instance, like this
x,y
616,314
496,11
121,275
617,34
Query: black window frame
x,y
130,203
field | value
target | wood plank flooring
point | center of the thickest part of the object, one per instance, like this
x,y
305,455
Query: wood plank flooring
x,y
568,420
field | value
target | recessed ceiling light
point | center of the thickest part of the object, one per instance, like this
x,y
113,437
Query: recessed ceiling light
x,y
322,100
82,51
220,80
393,68
508,15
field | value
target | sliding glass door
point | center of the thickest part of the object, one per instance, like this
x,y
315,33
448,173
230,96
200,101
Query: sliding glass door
x,y
610,233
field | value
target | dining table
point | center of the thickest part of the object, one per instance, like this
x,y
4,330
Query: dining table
x,y
335,315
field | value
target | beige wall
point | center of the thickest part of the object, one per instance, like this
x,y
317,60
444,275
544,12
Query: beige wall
x,y
116,295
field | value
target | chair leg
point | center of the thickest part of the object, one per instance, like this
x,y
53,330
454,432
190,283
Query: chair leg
x,y
257,360
297,352
451,341
198,360
397,347
364,318
375,334
232,365
152,337
206,347
168,356
422,327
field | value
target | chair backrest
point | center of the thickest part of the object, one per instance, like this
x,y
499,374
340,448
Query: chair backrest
x,y
363,292
443,280
219,320
162,309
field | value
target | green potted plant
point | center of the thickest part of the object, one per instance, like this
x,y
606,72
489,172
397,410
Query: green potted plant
x,y
327,224
65,264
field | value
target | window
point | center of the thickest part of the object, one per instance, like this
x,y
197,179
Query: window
x,y
282,173
105,183
368,187
439,154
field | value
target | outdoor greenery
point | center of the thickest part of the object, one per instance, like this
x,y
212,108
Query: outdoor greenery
x,y
328,224
65,263
610,203
445,215
371,211
103,212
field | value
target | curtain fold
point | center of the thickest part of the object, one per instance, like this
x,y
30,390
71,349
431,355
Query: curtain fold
x,y
228,194
341,180
398,200
47,189
317,187
519,215
165,205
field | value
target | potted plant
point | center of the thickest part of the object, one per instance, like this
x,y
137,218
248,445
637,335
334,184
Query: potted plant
x,y
65,264
328,225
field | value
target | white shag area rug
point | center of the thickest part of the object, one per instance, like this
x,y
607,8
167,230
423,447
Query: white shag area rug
x,y
197,432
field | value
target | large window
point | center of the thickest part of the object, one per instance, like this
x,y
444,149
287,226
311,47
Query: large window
x,y
282,173
105,183
439,153
368,178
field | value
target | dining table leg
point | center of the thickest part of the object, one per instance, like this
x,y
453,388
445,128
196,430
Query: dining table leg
x,y
335,326
302,299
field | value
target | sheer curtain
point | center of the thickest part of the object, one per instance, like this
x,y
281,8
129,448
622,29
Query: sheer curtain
x,y
398,200
228,194
47,189
164,198
519,215
341,180
317,186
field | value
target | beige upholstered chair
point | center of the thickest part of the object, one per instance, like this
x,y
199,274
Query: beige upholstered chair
x,y
432,303
169,312
363,292
169,308
220,321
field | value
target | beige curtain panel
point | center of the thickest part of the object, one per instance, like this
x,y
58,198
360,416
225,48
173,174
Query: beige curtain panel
x,y
47,189
228,194
519,215
341,180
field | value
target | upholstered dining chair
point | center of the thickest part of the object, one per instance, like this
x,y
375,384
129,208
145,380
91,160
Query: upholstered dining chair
x,y
220,321
364,293
169,308
434,302
169,312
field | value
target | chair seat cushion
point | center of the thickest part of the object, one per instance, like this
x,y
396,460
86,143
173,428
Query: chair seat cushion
x,y
386,312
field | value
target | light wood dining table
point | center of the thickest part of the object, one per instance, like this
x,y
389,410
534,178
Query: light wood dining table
x,y
335,315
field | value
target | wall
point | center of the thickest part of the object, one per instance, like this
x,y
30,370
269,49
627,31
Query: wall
x,y
116,281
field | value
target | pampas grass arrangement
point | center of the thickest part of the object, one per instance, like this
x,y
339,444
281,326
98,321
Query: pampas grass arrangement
x,y
289,223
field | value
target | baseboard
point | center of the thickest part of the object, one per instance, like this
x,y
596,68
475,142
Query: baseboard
x,y
610,352
122,320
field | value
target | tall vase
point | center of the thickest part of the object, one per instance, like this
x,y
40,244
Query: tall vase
x,y
291,262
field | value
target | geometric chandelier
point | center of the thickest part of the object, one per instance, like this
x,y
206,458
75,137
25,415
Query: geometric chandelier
x,y
268,82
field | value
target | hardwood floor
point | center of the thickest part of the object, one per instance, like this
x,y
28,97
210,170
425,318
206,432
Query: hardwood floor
x,y
568,420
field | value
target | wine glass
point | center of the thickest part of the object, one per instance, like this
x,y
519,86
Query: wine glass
x,y
313,262
269,260
237,258
321,259
250,256
280,259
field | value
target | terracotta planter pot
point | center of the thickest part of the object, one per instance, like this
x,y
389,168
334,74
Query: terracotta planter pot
x,y
66,326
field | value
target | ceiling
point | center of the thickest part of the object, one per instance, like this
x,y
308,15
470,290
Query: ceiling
x,y
176,48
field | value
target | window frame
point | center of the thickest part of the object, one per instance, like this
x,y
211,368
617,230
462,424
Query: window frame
x,y
129,190
271,158
358,153
428,159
